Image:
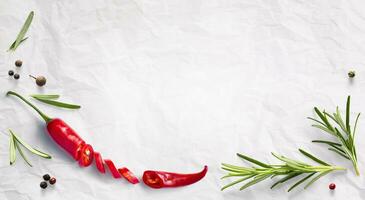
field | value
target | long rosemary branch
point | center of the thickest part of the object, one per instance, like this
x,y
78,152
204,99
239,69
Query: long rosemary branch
x,y
289,170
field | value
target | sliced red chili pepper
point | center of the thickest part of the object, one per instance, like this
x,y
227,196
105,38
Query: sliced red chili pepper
x,y
74,145
86,155
99,162
128,175
112,168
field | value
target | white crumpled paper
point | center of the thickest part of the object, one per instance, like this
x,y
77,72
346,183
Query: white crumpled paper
x,y
176,85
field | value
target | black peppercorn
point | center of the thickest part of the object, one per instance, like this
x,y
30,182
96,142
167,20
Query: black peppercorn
x,y
18,63
11,72
16,76
52,181
46,177
351,74
43,185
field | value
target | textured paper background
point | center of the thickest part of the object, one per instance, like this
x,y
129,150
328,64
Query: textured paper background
x,y
174,85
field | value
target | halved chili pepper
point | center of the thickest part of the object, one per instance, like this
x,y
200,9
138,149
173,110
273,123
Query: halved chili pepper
x,y
71,142
160,179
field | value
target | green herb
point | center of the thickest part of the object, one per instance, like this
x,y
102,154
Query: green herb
x,y
289,170
49,99
14,145
12,149
45,96
20,38
341,130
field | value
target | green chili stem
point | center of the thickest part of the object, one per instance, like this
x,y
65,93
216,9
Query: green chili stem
x,y
44,116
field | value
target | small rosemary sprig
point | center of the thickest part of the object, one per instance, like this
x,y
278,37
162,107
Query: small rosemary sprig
x,y
14,145
20,37
290,169
345,145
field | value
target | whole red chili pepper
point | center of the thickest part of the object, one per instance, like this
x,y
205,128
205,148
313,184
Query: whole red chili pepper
x,y
74,145
160,179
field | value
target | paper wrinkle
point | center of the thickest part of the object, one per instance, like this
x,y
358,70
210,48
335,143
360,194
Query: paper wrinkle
x,y
176,85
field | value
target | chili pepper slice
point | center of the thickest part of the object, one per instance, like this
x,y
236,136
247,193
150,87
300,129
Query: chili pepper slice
x,y
128,175
160,179
112,168
99,162
86,155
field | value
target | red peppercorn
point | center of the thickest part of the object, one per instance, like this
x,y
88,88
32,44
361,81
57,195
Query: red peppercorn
x,y
332,186
52,180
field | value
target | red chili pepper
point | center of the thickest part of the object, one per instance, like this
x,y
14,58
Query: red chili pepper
x,y
74,145
159,179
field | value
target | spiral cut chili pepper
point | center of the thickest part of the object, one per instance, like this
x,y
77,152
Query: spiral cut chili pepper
x,y
74,145
160,179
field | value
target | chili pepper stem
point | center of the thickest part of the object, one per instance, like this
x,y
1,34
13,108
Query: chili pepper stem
x,y
44,116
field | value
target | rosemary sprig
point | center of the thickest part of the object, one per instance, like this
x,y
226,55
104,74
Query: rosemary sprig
x,y
341,130
289,170
51,100
14,145
20,38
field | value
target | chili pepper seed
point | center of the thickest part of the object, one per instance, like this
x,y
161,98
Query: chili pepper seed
x,y
46,177
43,185
52,181
16,76
332,186
18,63
10,72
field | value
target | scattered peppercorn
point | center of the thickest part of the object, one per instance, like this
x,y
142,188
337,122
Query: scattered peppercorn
x,y
46,177
332,186
11,72
18,63
39,80
351,74
16,76
43,184
52,181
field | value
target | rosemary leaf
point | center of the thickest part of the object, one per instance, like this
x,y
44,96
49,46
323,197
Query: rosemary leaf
x,y
237,181
254,181
286,178
45,96
12,149
313,158
348,115
301,181
316,178
22,154
339,153
326,142
58,103
20,38
253,161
